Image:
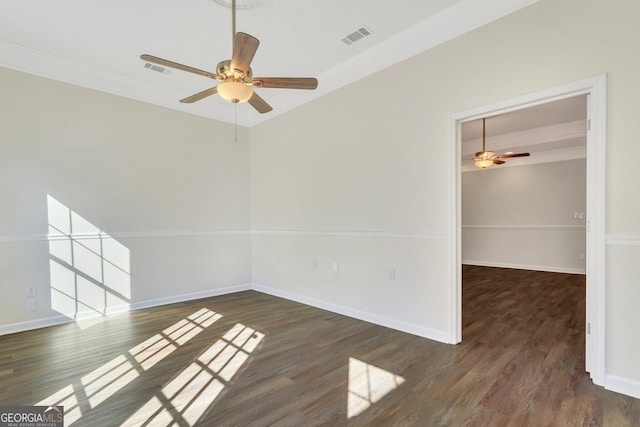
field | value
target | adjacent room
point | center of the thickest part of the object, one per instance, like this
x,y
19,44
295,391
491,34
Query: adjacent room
x,y
270,212
524,187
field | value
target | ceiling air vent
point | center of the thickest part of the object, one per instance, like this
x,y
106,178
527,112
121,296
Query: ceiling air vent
x,y
356,36
156,68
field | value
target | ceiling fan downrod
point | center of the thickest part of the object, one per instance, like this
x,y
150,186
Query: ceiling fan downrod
x,y
484,128
233,24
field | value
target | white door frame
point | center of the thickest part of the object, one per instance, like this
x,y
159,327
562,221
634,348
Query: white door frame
x,y
595,88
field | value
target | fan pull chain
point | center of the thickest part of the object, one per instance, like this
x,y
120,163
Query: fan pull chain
x,y
235,123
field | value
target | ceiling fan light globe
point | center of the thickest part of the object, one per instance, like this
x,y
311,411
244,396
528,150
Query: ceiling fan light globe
x,y
235,92
483,162
484,159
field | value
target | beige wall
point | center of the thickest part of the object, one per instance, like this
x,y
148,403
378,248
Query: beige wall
x,y
166,187
523,217
371,159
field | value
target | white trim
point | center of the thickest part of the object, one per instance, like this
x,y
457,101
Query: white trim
x,y
525,227
334,308
357,314
623,239
176,233
463,16
12,328
596,238
57,320
343,233
595,88
196,233
552,269
623,385
190,296
454,299
93,314
117,235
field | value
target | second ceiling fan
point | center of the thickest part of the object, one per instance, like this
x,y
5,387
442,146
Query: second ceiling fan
x,y
236,76
484,159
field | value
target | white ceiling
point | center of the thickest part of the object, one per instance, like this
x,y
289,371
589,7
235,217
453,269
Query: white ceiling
x,y
97,44
553,131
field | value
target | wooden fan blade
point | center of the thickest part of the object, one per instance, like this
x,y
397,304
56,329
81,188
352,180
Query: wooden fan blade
x,y
498,162
167,63
286,82
244,48
259,103
506,156
200,95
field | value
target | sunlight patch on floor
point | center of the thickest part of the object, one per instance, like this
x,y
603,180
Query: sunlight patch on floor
x,y
105,381
367,385
186,397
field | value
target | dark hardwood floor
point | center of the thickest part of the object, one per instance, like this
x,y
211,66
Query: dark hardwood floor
x,y
250,359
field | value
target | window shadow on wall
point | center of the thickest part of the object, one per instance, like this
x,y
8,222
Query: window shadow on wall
x,y
90,272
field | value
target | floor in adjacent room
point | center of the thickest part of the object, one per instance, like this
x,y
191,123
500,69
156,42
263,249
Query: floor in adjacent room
x,y
250,359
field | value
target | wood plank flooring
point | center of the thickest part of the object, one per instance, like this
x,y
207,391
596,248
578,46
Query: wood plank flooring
x,y
250,359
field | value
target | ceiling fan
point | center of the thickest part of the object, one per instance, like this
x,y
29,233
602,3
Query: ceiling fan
x,y
236,76
484,159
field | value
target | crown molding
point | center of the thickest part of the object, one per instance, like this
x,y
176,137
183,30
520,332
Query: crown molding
x,y
462,17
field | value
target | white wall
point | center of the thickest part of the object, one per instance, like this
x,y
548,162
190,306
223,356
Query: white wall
x,y
523,217
170,190
369,162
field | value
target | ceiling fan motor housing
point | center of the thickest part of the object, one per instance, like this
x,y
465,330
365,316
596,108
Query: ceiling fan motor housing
x,y
223,69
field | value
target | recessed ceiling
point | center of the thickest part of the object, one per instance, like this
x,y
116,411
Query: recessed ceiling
x,y
554,131
98,44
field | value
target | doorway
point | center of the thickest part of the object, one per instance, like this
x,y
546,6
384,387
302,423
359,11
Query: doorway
x,y
595,91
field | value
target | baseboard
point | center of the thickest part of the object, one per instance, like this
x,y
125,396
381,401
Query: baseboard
x,y
190,296
623,385
409,328
335,308
527,267
13,328
28,325
110,311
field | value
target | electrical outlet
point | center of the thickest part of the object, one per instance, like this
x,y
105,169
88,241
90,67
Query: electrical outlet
x,y
32,305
